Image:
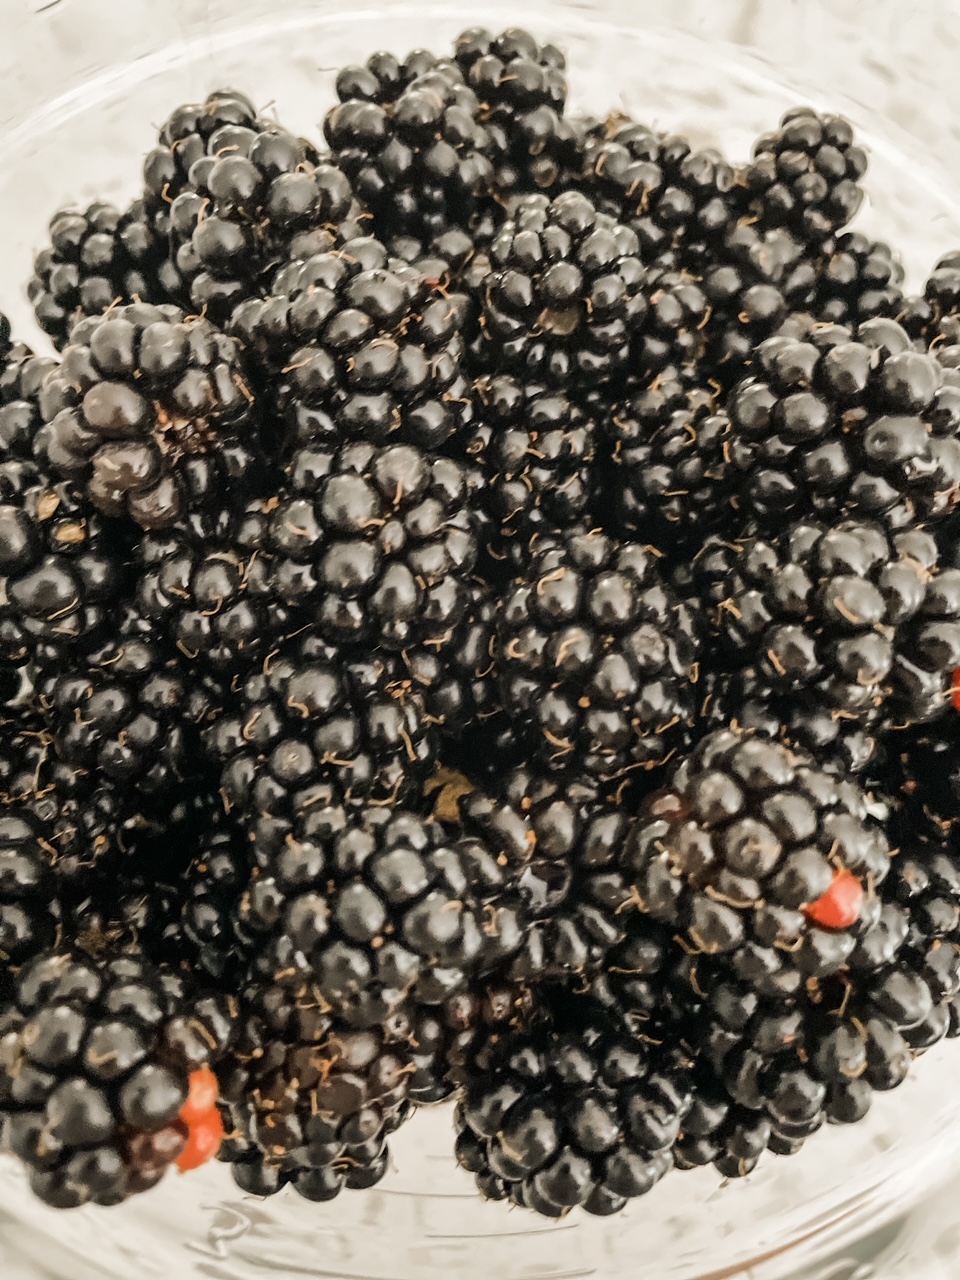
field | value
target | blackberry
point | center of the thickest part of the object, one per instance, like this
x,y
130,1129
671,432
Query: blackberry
x,y
191,133
317,724
373,905
681,202
29,903
674,332
944,345
778,1071
360,346
865,621
312,1101
753,853
522,92
98,257
758,276
940,300
242,209
444,1037
150,412
565,838
207,897
22,375
138,886
565,297
859,278
806,175
648,984
598,657
571,1111
747,699
128,710
536,448
93,829
919,775
208,586
925,884
98,1062
62,566
720,1132
858,425
459,681
410,138
670,482
455,264
376,543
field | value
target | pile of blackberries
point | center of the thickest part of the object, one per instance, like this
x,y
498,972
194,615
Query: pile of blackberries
x,y
479,615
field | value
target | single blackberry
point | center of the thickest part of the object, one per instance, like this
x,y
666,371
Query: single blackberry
x,y
670,482
680,202
22,375
95,830
316,725
456,264
865,621
755,854
778,1071
536,448
571,1111
758,276
128,711
360,346
924,883
459,681
373,906
444,1037
940,300
98,257
151,413
62,566
311,1102
859,278
137,887
944,346
522,92
674,331
410,137
207,896
638,985
29,903
565,297
846,424
747,699
99,1062
720,1132
918,773
806,175
192,132
376,543
243,206
566,840
598,657
208,586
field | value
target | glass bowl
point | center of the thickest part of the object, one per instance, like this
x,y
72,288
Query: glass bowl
x,y
83,86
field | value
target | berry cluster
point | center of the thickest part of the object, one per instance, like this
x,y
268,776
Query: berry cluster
x,y
479,620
